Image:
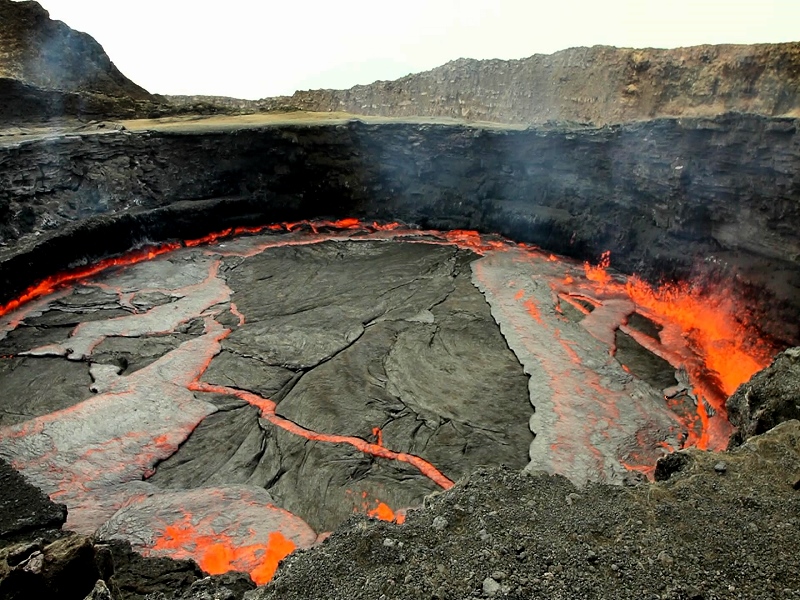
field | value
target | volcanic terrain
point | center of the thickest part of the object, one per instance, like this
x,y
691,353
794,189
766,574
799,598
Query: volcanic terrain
x,y
412,354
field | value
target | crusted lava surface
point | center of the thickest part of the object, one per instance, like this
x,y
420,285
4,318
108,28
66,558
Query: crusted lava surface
x,y
229,403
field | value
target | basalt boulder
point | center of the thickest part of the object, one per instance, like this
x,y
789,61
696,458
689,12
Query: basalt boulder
x,y
771,397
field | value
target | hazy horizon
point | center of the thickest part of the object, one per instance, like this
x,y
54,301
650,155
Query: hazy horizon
x,y
258,49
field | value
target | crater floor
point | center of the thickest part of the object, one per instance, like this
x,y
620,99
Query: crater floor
x,y
232,402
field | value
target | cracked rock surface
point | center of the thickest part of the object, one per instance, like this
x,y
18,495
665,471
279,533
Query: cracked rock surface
x,y
352,338
255,388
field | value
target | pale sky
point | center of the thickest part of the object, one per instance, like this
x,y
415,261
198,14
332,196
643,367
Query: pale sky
x,y
253,49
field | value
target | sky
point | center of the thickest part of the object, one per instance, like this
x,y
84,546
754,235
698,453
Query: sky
x,y
259,48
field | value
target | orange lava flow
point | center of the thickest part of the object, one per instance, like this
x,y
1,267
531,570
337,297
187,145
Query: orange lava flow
x,y
725,343
54,282
267,408
385,513
727,353
380,511
217,553
378,433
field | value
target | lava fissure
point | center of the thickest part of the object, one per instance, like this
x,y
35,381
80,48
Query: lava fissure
x,y
268,407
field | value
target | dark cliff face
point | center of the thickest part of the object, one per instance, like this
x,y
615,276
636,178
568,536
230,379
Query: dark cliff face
x,y
667,197
49,70
597,85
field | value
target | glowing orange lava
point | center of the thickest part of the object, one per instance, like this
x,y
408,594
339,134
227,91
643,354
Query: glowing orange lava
x,y
380,510
709,321
384,513
599,274
216,553
728,352
54,282
378,433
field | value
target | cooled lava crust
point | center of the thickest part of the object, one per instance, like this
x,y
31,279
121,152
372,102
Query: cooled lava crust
x,y
231,399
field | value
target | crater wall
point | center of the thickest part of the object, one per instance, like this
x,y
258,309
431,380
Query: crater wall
x,y
667,197
600,84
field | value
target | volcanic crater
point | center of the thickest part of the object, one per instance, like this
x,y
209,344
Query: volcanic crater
x,y
394,350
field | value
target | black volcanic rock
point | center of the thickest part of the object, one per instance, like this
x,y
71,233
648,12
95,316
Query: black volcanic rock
x,y
49,70
229,586
669,198
38,387
669,464
135,576
771,397
24,509
65,569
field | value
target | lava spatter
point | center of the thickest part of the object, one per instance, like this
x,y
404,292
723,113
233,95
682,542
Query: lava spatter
x,y
709,321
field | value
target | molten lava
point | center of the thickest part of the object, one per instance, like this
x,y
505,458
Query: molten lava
x,y
384,513
701,336
725,350
710,322
378,510
217,553
55,282
599,274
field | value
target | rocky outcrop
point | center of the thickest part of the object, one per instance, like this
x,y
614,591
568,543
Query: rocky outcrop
x,y
771,397
48,70
599,85
74,567
26,511
667,197
210,105
65,569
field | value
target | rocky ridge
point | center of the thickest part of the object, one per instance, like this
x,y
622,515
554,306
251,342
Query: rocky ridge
x,y
48,70
598,85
